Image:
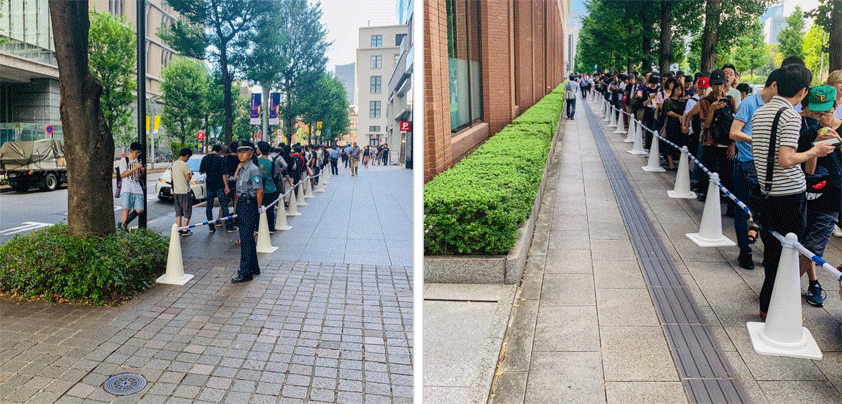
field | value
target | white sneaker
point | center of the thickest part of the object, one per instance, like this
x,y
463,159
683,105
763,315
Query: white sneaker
x,y
837,232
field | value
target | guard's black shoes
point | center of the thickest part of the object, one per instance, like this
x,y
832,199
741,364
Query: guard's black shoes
x,y
745,260
240,279
255,272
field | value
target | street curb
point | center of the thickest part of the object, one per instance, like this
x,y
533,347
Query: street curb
x,y
506,269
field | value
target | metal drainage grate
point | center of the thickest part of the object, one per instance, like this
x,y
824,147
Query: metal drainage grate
x,y
125,384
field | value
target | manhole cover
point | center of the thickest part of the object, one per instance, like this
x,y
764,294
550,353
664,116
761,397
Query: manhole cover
x,y
125,383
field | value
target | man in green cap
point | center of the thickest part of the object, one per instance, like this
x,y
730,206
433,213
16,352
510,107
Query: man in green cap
x,y
824,184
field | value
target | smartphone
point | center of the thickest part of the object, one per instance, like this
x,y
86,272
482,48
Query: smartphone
x,y
832,142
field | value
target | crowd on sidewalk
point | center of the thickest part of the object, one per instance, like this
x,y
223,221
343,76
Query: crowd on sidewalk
x,y
778,149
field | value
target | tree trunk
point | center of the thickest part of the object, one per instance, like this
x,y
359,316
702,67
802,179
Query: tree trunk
x,y
664,58
646,46
227,79
89,146
709,35
835,39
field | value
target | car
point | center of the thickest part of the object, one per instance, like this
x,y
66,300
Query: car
x,y
163,188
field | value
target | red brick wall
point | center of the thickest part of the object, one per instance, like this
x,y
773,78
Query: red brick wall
x,y
522,53
437,138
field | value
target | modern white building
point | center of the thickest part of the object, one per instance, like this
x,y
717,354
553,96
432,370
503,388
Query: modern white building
x,y
378,52
399,109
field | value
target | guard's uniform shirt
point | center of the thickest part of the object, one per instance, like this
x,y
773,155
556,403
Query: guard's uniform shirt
x,y
248,182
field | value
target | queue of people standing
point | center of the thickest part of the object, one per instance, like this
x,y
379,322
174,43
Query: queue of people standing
x,y
778,150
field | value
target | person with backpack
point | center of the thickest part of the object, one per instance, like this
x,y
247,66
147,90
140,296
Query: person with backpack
x,y
268,171
216,182
297,166
716,111
334,160
570,89
132,190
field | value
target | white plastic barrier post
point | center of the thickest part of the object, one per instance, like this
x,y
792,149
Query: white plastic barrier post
x,y
281,217
300,197
603,108
783,333
613,119
654,164
621,127
637,148
308,189
293,206
630,134
264,242
321,187
682,179
326,174
607,112
710,230
175,266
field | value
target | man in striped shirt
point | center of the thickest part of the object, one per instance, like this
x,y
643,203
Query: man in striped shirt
x,y
784,209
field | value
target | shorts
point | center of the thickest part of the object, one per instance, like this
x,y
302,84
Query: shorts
x,y
132,201
183,205
819,228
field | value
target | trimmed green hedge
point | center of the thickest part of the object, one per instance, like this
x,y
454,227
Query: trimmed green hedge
x,y
51,265
477,206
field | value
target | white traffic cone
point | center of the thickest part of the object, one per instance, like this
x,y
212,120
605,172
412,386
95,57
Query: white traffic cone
x,y
620,124
607,112
281,218
637,148
682,179
783,333
326,174
175,266
293,206
308,189
602,109
654,164
321,187
264,242
710,231
630,134
613,119
300,197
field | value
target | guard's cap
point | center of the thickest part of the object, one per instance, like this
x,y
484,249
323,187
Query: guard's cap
x,y
243,145
822,98
717,77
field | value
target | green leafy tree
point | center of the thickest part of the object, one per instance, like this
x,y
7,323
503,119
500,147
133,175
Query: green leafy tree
x,y
210,29
791,37
323,100
184,89
725,21
812,51
829,16
112,61
750,50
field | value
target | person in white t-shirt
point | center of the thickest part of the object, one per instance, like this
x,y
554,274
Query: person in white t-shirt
x,y
131,191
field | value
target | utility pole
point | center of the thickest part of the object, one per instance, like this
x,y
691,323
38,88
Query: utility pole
x,y
141,100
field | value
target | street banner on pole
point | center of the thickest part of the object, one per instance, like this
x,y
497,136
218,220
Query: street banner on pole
x,y
254,113
274,106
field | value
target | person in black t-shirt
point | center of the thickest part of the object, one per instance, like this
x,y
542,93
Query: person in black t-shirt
x,y
216,181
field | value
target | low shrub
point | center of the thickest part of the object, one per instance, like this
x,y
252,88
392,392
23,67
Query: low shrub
x,y
477,206
51,265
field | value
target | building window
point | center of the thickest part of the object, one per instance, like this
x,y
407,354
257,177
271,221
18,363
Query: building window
x,y
399,38
374,109
464,63
375,84
374,140
376,61
376,41
374,129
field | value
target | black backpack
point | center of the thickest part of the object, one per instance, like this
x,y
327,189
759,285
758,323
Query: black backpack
x,y
721,125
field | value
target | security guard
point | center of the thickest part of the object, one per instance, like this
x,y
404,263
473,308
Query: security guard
x,y
249,198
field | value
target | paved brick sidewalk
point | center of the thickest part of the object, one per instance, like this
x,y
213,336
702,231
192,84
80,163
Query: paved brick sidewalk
x,y
300,332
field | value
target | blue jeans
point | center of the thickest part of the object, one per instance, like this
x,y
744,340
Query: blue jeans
x,y
570,108
745,178
223,205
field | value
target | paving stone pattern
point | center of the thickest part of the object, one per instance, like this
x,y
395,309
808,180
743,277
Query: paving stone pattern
x,y
301,332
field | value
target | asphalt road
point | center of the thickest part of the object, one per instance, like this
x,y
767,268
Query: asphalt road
x,y
21,213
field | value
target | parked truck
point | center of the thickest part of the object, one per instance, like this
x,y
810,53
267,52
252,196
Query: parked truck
x,y
38,163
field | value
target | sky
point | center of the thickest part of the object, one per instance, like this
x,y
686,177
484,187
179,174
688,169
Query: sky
x,y
343,18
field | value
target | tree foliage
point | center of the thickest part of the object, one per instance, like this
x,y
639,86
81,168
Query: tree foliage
x,y
323,100
791,37
748,52
184,89
829,16
111,58
812,50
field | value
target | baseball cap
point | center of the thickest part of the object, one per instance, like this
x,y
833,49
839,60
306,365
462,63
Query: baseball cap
x,y
703,82
822,98
717,77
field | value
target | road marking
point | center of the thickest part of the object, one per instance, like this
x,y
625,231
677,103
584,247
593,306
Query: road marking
x,y
27,226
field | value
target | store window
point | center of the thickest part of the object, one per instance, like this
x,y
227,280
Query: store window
x,y
375,84
376,41
464,63
374,109
376,61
